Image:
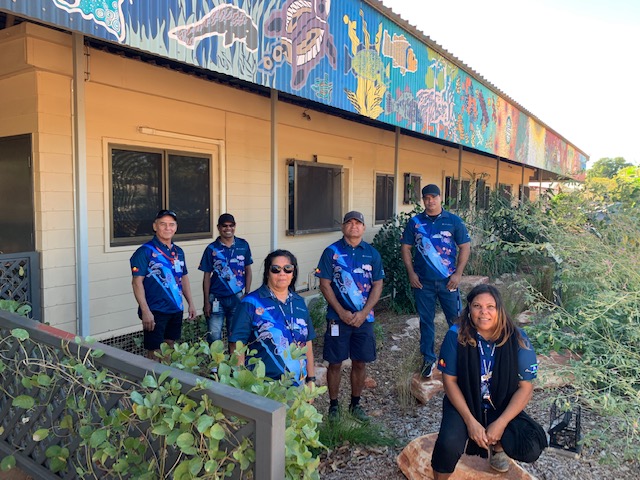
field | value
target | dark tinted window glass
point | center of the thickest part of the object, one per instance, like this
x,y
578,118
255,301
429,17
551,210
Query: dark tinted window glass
x,y
384,197
136,179
190,193
16,194
317,205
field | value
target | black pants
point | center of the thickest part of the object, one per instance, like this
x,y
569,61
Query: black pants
x,y
523,438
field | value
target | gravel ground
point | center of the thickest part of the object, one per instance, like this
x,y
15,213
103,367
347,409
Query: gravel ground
x,y
405,419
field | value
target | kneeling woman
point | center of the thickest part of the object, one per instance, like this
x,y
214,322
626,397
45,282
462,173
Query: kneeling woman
x,y
487,366
274,317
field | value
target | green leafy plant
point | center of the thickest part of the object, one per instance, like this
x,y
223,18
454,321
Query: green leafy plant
x,y
195,434
13,306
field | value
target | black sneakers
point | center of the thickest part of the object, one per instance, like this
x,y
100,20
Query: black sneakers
x,y
427,369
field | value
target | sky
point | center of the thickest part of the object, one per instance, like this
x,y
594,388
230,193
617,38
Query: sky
x,y
571,63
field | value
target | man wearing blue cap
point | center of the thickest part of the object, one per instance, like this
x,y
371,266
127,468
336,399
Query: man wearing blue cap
x,y
159,281
442,246
350,272
226,263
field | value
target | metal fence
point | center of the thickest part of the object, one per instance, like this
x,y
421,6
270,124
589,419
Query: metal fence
x,y
20,280
264,419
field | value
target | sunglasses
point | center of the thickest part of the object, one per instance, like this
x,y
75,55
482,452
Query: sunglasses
x,y
228,225
277,268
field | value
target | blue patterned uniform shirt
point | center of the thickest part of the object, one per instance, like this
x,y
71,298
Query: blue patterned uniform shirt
x,y
162,269
270,326
226,265
352,271
436,244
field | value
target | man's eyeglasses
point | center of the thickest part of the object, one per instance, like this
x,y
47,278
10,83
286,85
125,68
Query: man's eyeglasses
x,y
228,225
277,268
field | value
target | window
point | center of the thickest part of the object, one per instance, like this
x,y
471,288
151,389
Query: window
x,y
144,181
315,197
505,191
384,197
482,194
412,193
451,193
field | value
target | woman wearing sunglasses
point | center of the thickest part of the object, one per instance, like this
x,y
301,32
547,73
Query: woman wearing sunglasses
x,y
273,318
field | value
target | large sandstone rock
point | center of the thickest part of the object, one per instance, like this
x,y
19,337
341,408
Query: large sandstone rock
x,y
554,371
415,463
425,389
467,282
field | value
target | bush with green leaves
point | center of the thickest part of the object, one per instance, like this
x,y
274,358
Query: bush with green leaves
x,y
396,281
155,417
597,250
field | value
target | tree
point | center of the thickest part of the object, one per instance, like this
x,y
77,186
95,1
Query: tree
x,y
607,167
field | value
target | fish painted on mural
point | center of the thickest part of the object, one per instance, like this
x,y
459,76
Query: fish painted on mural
x,y
400,51
227,21
405,106
105,13
303,25
323,88
436,110
367,64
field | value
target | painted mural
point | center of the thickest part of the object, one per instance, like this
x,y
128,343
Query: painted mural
x,y
343,54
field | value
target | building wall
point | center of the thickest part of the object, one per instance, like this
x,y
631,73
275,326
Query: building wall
x,y
231,125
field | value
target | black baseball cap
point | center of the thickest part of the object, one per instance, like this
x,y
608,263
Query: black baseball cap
x,y
164,213
430,189
353,214
226,218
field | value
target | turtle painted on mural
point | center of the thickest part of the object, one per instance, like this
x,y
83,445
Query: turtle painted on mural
x,y
302,24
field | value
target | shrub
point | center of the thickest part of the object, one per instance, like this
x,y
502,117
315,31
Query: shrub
x,y
117,441
396,282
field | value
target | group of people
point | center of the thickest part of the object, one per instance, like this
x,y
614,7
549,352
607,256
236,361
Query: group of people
x,y
487,363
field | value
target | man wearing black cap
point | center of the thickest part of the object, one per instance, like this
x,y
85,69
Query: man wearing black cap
x,y
226,263
443,247
159,281
351,273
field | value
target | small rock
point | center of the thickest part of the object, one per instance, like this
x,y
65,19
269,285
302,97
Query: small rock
x,y
370,383
395,348
413,323
525,318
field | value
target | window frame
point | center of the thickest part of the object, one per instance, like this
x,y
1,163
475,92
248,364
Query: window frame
x,y
166,153
411,195
389,214
293,184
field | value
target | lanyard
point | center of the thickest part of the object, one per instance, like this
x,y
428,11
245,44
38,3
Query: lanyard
x,y
172,260
288,321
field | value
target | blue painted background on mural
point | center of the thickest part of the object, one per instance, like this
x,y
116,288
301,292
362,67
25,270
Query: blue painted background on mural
x,y
343,54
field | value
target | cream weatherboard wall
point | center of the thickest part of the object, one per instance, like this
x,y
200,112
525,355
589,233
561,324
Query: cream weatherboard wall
x,y
233,126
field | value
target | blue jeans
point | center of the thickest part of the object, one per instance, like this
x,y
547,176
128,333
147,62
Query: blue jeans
x,y
426,297
227,307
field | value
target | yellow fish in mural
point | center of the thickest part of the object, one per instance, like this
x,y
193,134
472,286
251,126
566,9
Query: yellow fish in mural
x,y
400,51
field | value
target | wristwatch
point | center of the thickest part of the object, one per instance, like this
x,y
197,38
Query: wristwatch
x,y
310,379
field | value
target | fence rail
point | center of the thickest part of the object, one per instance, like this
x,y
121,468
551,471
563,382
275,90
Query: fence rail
x,y
265,418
